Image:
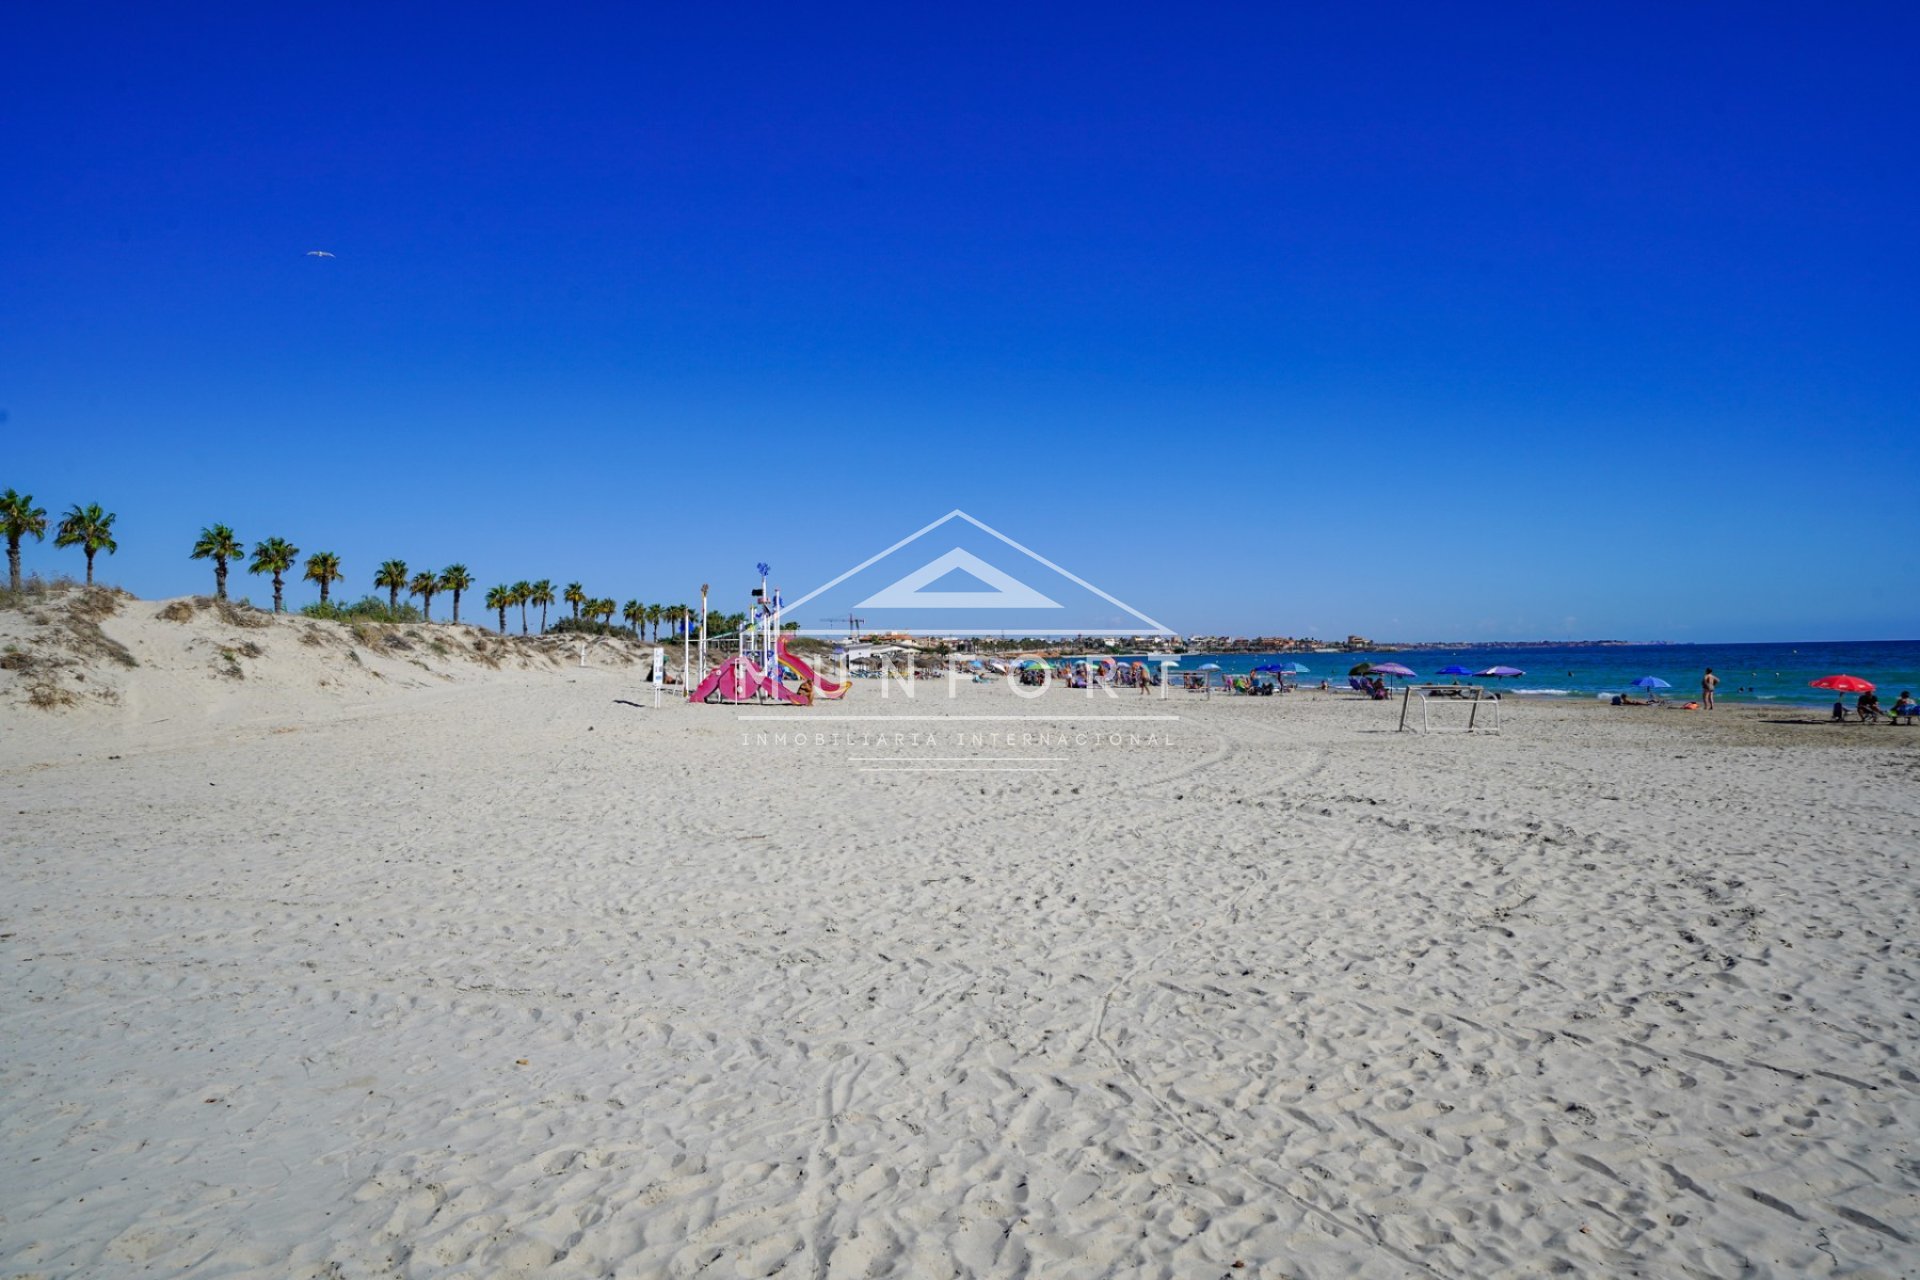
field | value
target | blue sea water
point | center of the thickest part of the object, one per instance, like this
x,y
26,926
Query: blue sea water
x,y
1753,673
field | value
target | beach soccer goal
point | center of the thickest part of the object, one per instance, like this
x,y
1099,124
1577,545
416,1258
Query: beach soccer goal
x,y
1450,708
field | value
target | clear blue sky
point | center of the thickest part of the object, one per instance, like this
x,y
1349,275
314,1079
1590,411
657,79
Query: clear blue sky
x,y
1422,321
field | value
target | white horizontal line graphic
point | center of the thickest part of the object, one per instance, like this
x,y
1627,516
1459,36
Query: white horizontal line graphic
x,y
807,719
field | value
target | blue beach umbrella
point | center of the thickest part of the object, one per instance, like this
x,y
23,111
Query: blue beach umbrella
x,y
1651,682
1455,670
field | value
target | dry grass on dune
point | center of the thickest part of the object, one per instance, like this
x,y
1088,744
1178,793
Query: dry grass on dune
x,y
65,641
64,645
234,615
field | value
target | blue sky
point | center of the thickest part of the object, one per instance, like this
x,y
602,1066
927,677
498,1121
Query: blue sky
x,y
1417,321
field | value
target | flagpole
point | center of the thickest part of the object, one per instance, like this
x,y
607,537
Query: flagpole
x,y
760,624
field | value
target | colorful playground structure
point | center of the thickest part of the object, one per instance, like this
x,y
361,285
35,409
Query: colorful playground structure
x,y
740,679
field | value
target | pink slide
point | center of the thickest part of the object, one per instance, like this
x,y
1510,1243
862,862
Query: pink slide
x,y
801,671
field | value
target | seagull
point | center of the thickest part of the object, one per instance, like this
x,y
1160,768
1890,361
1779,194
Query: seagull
x,y
318,253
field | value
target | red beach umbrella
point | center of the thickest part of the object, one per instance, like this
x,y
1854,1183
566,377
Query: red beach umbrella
x,y
1842,684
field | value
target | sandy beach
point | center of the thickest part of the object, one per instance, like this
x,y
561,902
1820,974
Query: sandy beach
x,y
469,961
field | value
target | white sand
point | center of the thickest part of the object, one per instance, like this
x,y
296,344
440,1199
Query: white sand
x,y
492,975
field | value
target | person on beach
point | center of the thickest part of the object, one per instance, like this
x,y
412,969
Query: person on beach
x,y
1708,683
1904,705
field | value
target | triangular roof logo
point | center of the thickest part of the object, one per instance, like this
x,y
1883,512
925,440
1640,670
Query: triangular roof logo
x,y
992,585
910,592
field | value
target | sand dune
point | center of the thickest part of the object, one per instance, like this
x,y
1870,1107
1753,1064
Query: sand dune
x,y
402,964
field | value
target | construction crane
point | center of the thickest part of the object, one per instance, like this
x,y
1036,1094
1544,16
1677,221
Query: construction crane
x,y
853,624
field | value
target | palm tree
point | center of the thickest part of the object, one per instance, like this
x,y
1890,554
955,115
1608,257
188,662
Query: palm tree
x,y
456,579
20,519
393,576
323,567
543,596
635,613
575,595
424,585
605,611
498,598
275,556
90,529
653,617
523,596
218,544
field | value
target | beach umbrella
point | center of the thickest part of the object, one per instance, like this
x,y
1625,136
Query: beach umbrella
x,y
1295,668
1364,669
1842,684
1455,670
1651,683
1501,673
1273,669
1392,669
1209,666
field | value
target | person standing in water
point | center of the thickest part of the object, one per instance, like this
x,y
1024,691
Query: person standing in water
x,y
1708,683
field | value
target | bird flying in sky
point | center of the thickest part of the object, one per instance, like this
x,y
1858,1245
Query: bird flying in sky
x,y
318,253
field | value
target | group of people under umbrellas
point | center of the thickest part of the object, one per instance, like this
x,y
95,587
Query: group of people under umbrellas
x,y
1866,703
1368,676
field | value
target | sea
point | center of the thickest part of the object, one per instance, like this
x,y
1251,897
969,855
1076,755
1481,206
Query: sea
x,y
1757,673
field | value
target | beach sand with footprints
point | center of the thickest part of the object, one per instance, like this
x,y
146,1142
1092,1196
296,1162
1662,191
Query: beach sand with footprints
x,y
470,961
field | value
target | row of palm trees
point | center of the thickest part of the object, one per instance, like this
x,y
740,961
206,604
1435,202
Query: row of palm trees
x,y
278,557
519,595
90,528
